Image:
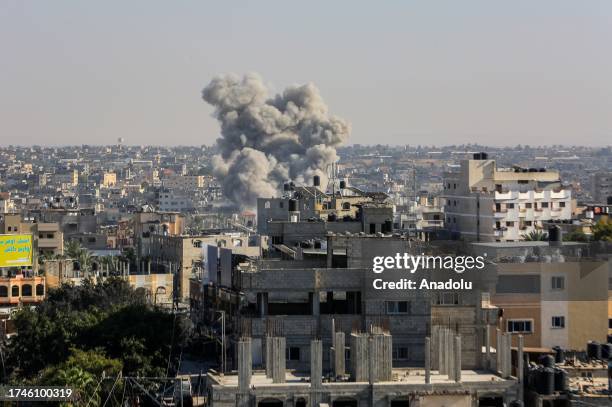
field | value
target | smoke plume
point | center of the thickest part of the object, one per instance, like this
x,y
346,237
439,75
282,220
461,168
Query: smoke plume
x,y
266,141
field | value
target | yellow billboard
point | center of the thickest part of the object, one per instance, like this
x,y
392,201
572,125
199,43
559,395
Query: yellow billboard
x,y
15,250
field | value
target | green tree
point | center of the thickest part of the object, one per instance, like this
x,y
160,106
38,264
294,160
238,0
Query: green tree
x,y
602,231
576,236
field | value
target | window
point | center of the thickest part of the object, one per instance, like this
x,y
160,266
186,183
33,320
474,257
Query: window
x,y
610,323
528,205
346,206
15,291
397,307
528,223
400,353
40,289
281,204
50,236
293,353
510,206
4,291
558,322
557,283
510,223
561,204
450,298
26,290
518,326
544,204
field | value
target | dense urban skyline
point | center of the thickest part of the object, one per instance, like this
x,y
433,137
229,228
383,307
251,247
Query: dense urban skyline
x,y
473,72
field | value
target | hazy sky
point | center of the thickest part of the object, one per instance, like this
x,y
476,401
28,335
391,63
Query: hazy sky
x,y
401,72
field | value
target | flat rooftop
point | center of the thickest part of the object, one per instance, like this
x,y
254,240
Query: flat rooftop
x,y
400,376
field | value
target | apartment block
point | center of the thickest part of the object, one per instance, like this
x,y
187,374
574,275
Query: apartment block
x,y
486,203
601,187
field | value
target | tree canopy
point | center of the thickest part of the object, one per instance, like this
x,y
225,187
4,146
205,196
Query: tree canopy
x,y
80,334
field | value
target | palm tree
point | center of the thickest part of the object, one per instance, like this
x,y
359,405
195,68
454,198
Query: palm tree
x,y
535,235
72,248
84,259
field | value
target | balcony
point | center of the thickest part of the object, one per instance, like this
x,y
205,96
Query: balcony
x,y
501,213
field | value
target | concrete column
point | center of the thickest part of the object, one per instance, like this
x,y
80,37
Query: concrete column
x,y
316,363
457,362
339,361
316,304
427,360
278,359
498,351
519,365
245,364
508,355
487,332
434,348
441,348
450,359
268,357
149,267
359,357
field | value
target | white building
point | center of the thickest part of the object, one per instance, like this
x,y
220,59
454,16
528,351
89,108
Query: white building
x,y
486,203
173,201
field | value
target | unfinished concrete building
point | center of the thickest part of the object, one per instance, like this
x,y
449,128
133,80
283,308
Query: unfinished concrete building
x,y
395,347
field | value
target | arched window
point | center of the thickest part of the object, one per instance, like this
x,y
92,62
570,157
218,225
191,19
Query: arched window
x,y
40,289
3,291
15,291
346,206
26,290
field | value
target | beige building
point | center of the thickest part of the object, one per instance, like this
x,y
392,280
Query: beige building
x,y
486,203
553,296
50,239
109,179
186,182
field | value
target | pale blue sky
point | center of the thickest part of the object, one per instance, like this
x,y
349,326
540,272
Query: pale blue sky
x,y
401,72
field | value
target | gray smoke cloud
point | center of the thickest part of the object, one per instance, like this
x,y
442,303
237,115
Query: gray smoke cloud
x,y
266,140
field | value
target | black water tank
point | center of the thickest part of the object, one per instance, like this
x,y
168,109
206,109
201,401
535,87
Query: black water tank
x,y
547,361
554,234
609,338
342,184
606,351
286,187
560,380
559,355
316,181
293,205
387,226
594,350
547,381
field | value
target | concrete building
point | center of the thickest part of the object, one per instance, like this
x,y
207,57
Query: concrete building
x,y
109,179
486,203
186,182
601,187
553,295
311,203
172,200
50,239
21,288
